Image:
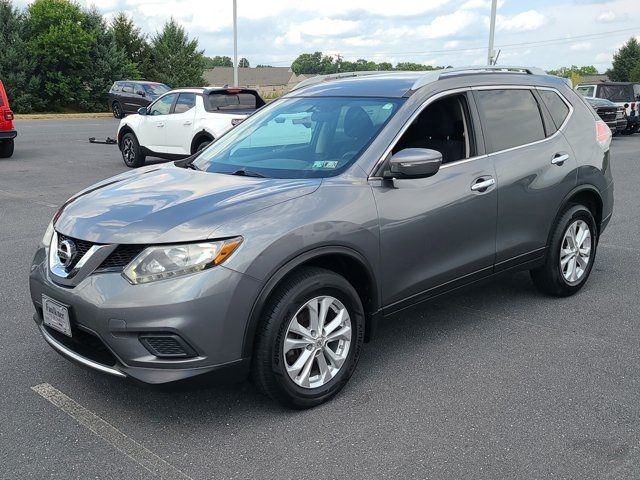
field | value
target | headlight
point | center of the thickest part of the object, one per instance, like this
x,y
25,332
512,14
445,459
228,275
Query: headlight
x,y
167,261
46,239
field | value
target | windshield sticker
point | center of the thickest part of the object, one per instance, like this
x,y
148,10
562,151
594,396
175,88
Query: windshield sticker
x,y
322,164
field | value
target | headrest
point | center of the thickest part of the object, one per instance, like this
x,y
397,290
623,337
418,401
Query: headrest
x,y
357,123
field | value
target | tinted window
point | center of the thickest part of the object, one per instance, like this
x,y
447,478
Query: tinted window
x,y
557,108
185,102
127,88
300,137
616,93
227,100
155,89
162,106
511,118
117,87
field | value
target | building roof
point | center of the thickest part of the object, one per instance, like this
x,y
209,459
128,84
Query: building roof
x,y
601,77
252,77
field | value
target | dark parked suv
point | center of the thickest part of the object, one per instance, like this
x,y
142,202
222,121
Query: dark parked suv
x,y
127,96
276,250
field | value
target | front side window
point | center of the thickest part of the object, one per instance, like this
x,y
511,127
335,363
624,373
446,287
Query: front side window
x,y
127,88
511,118
311,137
185,102
616,93
162,106
556,106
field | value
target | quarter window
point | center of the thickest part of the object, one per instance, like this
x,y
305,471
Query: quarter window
x,y
162,106
186,101
511,118
557,108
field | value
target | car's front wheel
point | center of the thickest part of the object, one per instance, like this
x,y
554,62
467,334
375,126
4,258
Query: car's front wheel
x,y
6,148
131,151
310,338
572,251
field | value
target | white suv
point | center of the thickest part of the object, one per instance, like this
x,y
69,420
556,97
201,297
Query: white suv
x,y
182,122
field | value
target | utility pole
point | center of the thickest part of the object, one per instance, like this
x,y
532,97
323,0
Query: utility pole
x,y
235,44
492,29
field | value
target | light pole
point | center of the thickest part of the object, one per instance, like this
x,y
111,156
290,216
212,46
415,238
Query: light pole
x,y
235,44
492,29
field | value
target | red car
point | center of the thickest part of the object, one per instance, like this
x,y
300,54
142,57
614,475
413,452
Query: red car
x,y
7,132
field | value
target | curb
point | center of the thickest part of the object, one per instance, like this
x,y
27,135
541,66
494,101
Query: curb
x,y
60,116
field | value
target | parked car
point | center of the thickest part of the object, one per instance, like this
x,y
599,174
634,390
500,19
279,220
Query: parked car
x,y
7,131
127,96
620,93
183,121
610,113
276,251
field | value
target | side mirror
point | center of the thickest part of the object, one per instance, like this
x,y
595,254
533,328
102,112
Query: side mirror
x,y
414,163
141,93
143,111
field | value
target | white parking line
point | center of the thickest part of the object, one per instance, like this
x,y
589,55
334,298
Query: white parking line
x,y
144,457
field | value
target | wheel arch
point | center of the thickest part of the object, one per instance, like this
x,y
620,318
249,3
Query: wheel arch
x,y
342,260
122,132
198,137
587,195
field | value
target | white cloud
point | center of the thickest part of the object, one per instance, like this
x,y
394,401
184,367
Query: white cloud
x,y
606,17
452,44
603,57
448,25
320,27
521,22
580,46
479,4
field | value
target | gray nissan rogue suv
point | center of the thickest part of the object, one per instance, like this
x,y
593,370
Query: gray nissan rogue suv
x,y
274,252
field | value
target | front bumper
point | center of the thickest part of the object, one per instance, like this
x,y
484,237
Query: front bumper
x,y
8,134
209,310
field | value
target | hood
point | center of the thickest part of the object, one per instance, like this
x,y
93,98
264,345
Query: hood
x,y
166,204
600,102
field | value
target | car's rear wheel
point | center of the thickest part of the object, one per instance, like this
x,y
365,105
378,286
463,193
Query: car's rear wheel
x,y
116,109
310,338
131,151
571,254
6,148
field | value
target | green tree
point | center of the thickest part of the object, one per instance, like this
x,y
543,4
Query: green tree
x,y
574,70
177,61
260,65
129,39
17,69
385,66
218,61
625,61
634,76
108,63
411,66
314,63
62,46
243,63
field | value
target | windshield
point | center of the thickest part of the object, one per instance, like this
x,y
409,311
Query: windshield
x,y
155,89
311,137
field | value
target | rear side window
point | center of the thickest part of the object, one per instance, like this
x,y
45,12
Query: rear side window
x,y
511,118
185,102
556,106
616,93
232,100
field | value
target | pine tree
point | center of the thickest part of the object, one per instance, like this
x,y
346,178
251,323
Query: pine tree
x,y
176,59
129,38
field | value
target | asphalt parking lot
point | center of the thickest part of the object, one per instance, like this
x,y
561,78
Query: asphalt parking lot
x,y
494,382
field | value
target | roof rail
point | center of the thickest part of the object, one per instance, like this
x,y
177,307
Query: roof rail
x,y
332,76
435,75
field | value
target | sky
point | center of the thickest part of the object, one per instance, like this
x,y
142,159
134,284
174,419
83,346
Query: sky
x,y
542,33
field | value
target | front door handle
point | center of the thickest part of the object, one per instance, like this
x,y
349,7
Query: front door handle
x,y
482,184
560,158
188,122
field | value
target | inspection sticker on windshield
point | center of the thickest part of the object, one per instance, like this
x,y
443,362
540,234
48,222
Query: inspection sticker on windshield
x,y
327,164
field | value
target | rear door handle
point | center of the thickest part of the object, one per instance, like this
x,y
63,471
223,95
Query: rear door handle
x,y
560,158
482,184
160,124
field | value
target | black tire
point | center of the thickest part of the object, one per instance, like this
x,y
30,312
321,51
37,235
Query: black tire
x,y
268,365
549,278
117,111
202,144
6,148
131,151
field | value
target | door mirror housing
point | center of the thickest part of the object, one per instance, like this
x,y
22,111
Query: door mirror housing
x,y
414,163
143,111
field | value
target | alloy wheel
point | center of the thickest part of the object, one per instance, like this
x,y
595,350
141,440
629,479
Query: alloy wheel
x,y
128,152
317,342
575,252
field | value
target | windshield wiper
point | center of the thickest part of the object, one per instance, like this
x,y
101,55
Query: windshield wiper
x,y
243,172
